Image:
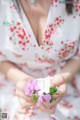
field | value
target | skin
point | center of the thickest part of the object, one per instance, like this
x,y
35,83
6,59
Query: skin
x,y
37,16
20,78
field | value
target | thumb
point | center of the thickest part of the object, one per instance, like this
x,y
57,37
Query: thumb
x,y
57,80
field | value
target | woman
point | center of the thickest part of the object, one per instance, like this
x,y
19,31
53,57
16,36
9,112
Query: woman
x,y
39,39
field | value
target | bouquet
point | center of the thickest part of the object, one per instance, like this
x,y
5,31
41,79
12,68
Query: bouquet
x,y
40,90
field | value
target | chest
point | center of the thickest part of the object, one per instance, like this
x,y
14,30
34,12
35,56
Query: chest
x,y
37,17
38,24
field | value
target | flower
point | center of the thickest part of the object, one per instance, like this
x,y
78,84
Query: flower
x,y
31,88
47,97
53,90
40,90
40,99
44,84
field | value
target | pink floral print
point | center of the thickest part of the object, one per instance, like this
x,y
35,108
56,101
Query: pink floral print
x,y
18,44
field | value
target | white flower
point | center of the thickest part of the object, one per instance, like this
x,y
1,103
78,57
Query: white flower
x,y
44,84
41,83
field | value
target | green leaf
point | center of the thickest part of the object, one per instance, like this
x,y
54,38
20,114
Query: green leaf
x,y
35,98
53,90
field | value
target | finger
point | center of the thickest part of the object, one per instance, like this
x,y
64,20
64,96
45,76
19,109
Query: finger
x,y
56,102
52,104
23,110
56,95
57,80
62,90
19,93
50,111
24,103
42,108
22,84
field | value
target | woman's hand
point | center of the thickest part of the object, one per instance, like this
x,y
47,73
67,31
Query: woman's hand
x,y
59,81
25,101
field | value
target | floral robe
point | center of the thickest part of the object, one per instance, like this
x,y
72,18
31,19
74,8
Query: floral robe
x,y
18,44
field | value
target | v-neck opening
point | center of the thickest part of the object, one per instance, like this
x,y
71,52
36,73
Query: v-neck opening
x,y
30,27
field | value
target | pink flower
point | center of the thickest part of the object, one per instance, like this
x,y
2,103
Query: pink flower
x,y
47,97
32,88
40,100
37,93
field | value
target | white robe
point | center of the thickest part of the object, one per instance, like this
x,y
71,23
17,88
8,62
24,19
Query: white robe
x,y
60,43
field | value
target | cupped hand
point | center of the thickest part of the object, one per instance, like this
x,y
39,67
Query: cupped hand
x,y
58,81
25,101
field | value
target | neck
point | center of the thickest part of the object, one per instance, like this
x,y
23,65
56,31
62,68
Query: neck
x,y
33,2
44,4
